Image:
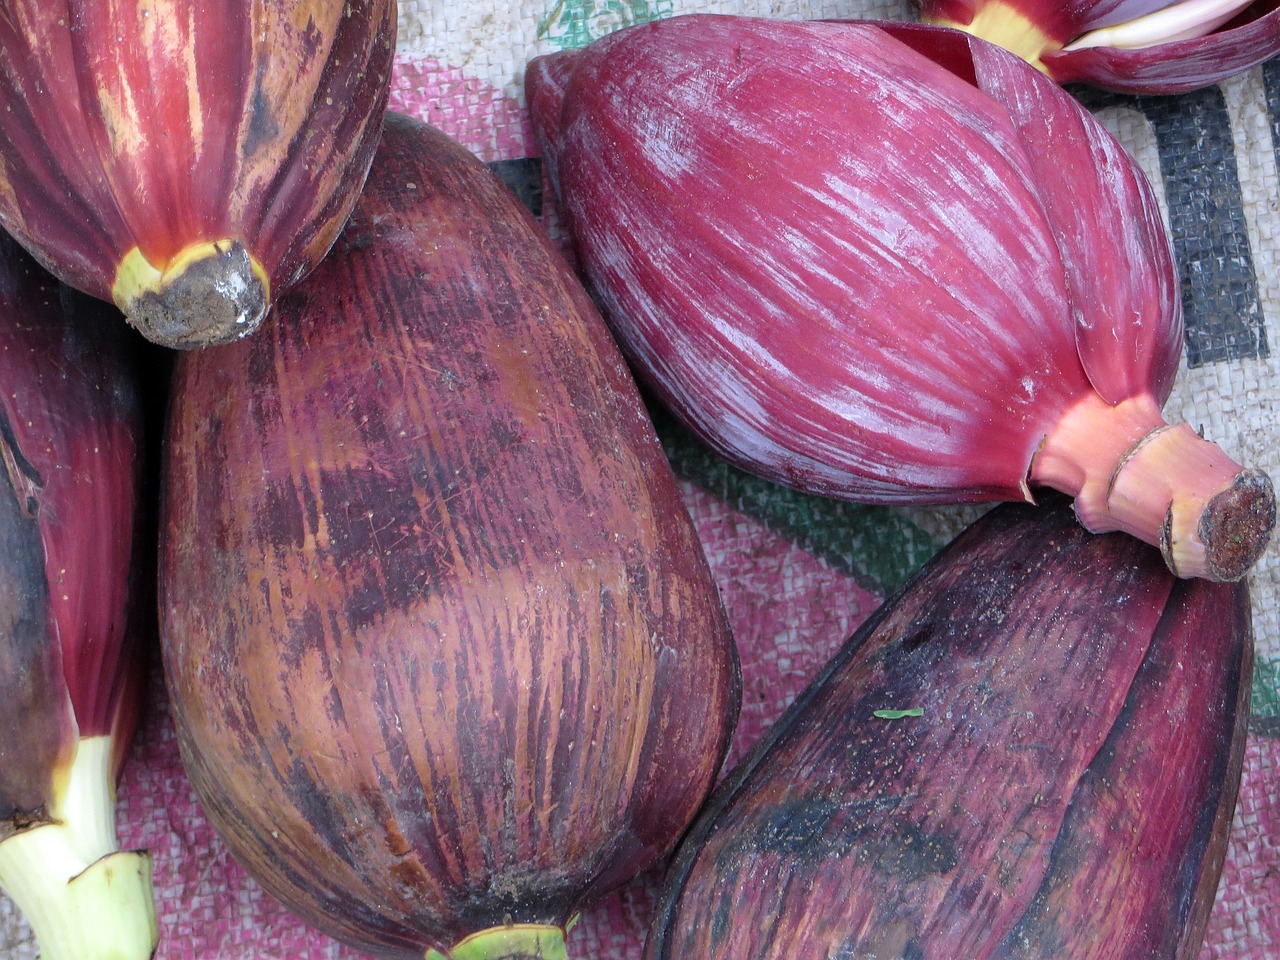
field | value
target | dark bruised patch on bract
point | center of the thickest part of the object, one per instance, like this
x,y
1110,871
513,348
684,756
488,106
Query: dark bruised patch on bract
x,y
808,831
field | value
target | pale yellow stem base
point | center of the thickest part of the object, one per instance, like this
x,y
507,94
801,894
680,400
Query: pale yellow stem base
x,y
84,899
544,941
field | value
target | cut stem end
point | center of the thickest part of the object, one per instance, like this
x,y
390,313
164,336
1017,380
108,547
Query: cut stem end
x,y
1236,526
210,293
1130,471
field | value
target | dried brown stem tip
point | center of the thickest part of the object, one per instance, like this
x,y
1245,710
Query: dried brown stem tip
x,y
210,293
1235,527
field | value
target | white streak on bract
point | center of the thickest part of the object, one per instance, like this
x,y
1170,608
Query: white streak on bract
x,y
868,326
975,335
1106,219
194,110
120,116
1178,21
658,135
843,435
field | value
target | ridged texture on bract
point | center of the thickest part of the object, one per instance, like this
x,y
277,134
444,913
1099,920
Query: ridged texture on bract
x,y
72,617
187,160
881,262
71,465
1078,41
850,226
443,647
1061,784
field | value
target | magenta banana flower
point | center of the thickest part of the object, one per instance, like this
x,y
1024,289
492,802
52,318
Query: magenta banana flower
x,y
1133,46
889,263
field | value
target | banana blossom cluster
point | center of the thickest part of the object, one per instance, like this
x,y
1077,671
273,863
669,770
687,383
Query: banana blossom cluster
x,y
1131,46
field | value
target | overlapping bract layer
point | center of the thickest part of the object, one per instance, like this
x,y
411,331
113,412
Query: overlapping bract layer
x,y
1063,787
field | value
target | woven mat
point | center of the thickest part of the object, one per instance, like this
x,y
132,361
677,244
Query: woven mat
x,y
798,574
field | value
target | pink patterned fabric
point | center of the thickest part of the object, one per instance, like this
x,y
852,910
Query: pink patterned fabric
x,y
490,124
1245,924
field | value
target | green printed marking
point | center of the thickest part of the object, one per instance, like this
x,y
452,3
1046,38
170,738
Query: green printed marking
x,y
571,24
898,714
1266,689
880,547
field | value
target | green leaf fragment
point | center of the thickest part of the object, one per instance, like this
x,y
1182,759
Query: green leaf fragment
x,y
898,714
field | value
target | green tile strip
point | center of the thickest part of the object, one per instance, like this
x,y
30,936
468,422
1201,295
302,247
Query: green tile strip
x,y
1266,695
571,24
878,546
